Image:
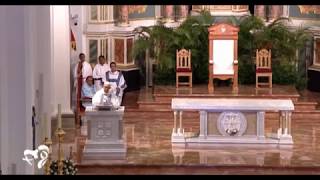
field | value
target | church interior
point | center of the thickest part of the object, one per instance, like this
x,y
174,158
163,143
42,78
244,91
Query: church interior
x,y
160,89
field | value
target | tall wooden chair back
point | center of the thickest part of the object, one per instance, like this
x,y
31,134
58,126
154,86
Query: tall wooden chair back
x,y
183,66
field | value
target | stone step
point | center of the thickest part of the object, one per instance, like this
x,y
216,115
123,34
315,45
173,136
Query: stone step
x,y
165,105
168,97
301,105
312,114
178,169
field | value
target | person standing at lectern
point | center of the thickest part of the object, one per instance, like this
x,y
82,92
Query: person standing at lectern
x,y
106,96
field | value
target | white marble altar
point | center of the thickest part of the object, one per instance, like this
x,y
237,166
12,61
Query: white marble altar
x,y
104,134
232,121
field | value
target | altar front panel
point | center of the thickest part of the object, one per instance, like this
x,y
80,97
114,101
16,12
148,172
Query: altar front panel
x,y
251,119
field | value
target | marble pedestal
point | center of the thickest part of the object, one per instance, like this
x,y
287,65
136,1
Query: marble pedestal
x,y
104,130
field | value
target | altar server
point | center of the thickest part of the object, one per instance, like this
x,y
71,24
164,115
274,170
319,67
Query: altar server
x,y
116,80
88,89
99,72
83,69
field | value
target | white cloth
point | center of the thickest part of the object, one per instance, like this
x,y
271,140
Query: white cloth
x,y
86,71
101,98
99,71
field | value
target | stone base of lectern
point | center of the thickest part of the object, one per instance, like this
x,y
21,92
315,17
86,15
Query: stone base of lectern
x,y
104,135
104,150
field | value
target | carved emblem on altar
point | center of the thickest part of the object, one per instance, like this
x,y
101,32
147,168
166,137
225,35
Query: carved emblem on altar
x,y
103,130
232,124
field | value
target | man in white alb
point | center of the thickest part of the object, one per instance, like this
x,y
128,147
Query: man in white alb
x,y
83,69
116,80
99,72
106,96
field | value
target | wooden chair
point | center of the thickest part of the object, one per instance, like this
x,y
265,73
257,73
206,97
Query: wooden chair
x,y
263,67
183,67
223,54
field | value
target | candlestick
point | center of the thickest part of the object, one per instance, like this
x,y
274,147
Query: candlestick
x,y
59,116
60,133
48,143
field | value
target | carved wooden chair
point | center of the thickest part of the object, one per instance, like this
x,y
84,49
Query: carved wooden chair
x,y
223,54
183,67
263,67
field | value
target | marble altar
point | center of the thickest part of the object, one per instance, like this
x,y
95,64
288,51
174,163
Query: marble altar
x,y
104,134
239,121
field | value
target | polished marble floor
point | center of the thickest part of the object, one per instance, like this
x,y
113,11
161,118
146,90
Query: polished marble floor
x,y
148,139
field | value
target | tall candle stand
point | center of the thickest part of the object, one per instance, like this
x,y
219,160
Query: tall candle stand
x,y
60,133
48,143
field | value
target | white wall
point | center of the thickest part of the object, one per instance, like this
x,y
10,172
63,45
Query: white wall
x,y
77,30
40,50
3,92
15,88
34,70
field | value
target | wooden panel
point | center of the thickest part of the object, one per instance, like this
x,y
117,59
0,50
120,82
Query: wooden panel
x,y
119,51
317,60
223,30
212,124
129,51
251,123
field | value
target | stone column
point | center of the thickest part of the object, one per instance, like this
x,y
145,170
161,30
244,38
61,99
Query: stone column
x,y
260,124
180,131
275,12
203,124
169,13
184,11
158,11
124,15
61,58
260,11
175,122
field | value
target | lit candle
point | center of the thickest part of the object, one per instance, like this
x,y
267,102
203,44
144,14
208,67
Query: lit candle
x,y
59,116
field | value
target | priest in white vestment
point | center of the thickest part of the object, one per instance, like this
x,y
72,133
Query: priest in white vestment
x,y
105,96
116,80
99,72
